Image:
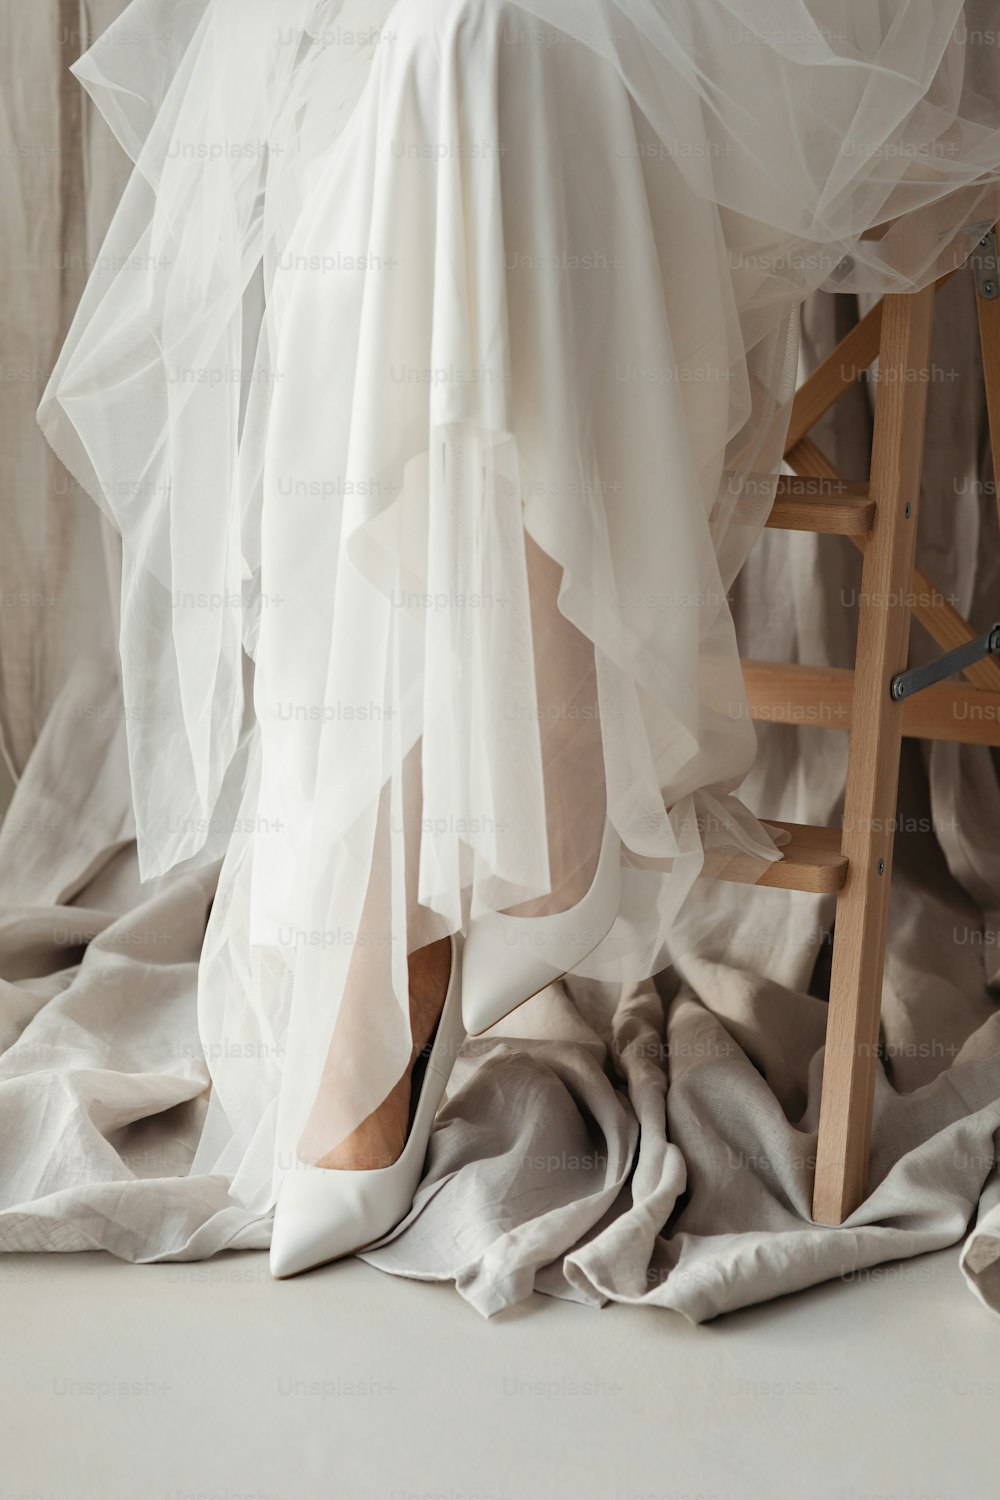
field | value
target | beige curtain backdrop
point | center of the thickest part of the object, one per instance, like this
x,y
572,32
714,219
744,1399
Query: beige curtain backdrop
x,y
653,1146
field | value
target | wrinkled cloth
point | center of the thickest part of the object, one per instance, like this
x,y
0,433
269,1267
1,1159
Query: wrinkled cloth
x,y
652,1143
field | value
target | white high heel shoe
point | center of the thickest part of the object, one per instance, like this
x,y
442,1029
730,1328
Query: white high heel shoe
x,y
507,960
324,1214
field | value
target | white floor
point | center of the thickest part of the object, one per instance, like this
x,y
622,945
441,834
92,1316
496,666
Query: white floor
x,y
210,1382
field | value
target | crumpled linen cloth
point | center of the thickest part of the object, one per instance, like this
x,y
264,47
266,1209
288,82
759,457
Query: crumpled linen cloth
x,y
651,1146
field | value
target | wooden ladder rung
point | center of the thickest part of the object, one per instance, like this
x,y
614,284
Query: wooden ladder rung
x,y
833,507
822,698
931,607
811,862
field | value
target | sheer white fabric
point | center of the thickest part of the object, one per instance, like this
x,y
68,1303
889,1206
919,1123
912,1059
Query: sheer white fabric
x,y
397,293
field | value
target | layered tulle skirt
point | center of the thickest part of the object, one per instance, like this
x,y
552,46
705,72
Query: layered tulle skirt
x,y
435,377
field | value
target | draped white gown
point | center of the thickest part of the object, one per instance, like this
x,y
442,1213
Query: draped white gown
x,y
399,293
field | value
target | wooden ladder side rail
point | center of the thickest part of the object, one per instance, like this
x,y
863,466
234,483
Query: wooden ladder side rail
x,y
988,309
873,763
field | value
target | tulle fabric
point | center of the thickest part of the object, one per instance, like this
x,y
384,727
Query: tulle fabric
x,y
398,293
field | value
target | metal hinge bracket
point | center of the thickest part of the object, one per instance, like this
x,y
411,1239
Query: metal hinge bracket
x,y
907,683
986,265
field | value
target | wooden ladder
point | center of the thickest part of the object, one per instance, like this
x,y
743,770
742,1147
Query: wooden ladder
x,y
855,861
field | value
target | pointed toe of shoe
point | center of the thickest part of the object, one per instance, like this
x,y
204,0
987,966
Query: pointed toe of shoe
x,y
297,1247
495,981
287,1257
485,1007
318,1219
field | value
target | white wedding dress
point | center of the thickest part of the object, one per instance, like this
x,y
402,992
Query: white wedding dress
x,y
400,295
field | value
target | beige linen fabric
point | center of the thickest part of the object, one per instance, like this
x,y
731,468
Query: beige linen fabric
x,y
653,1146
